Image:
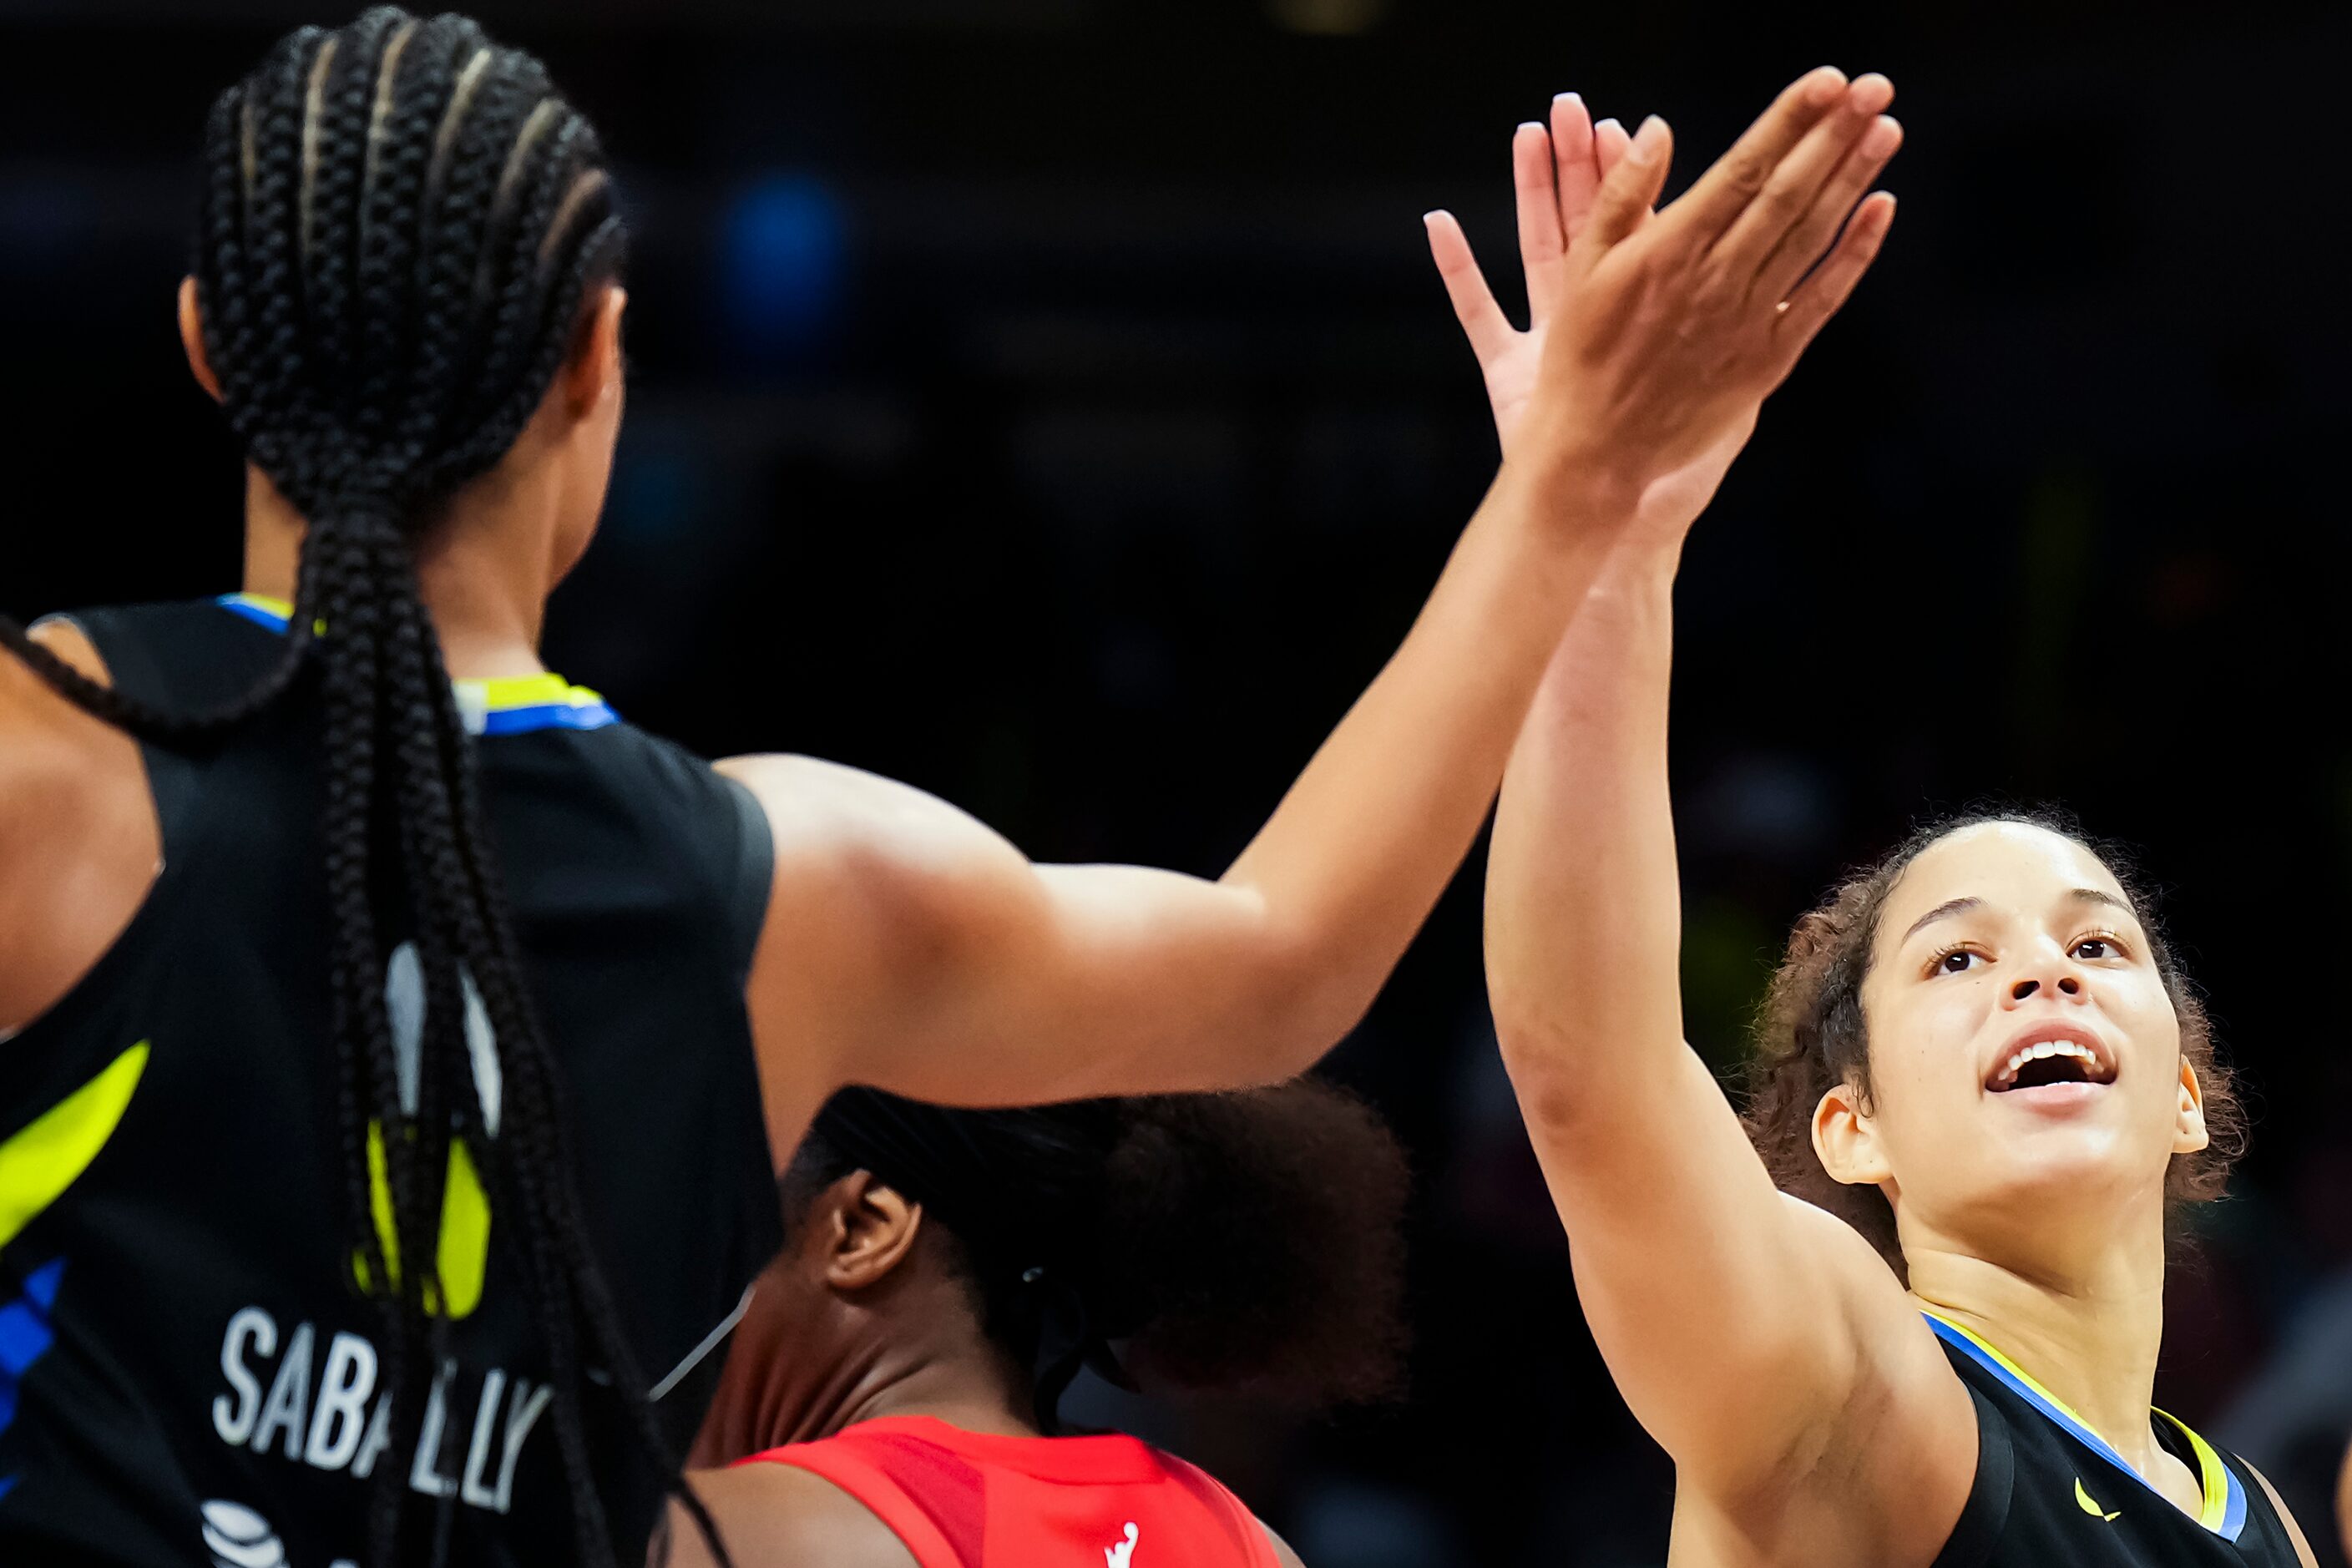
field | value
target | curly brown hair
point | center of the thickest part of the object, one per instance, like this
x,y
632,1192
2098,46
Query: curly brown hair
x,y
1812,1036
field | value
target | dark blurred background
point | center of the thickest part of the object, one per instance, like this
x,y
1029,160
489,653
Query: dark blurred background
x,y
1050,402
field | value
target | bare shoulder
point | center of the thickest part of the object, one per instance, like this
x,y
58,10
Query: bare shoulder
x,y
781,1516
878,888
1888,1331
1839,1247
79,841
1889,1470
2303,1551
2344,1501
806,793
1282,1552
831,820
38,722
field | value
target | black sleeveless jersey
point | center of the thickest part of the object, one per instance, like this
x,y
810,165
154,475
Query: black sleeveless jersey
x,y
189,1367
2051,1493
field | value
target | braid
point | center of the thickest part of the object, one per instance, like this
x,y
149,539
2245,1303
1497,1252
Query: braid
x,y
399,226
335,120
220,231
511,282
537,1160
264,412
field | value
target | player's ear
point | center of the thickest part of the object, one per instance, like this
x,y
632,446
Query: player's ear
x,y
1846,1139
192,339
873,1229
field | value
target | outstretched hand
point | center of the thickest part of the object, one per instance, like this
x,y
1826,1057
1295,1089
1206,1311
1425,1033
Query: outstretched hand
x,y
1655,335
1555,172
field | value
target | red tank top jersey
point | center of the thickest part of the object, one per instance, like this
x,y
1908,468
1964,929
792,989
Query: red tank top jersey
x,y
962,1500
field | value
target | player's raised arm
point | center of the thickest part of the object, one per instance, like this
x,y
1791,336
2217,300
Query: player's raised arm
x,y
1736,1323
949,966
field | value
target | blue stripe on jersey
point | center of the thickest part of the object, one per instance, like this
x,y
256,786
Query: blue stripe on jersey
x,y
2232,1519
582,710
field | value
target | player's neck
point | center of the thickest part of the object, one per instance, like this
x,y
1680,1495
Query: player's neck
x,y
971,1386
2088,1330
807,1391
485,570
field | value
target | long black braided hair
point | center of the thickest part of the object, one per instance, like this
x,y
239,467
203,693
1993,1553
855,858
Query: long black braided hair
x,y
401,222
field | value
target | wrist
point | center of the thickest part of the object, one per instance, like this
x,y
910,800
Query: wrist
x,y
1568,500
1640,575
1582,526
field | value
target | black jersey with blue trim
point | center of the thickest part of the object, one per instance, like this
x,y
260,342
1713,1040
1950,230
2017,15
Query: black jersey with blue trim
x,y
190,1367
2051,1493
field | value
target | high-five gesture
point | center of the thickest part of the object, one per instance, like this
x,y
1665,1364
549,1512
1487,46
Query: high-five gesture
x,y
1556,172
1655,336
1811,1416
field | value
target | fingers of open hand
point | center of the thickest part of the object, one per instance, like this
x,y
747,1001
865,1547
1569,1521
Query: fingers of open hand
x,y
1725,191
1630,188
1542,242
1789,190
1802,245
1609,139
1574,165
1483,321
1817,297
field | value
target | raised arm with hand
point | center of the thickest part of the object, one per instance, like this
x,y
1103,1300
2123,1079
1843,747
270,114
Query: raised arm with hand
x,y
1557,169
1740,1325
910,947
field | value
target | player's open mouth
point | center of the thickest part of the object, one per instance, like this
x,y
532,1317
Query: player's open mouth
x,y
2048,1056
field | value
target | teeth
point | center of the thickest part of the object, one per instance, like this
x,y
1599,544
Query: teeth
x,y
2041,1048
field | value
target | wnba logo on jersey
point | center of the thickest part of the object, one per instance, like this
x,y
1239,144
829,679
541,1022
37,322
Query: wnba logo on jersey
x,y
239,1538
462,1252
1121,1555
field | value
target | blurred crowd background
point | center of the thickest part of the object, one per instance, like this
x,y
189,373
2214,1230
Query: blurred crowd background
x,y
1051,401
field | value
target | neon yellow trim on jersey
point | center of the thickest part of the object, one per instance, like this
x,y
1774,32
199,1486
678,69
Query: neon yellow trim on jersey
x,y
2210,1473
504,693
461,1252
2212,1476
477,700
279,607
41,1160
2015,1370
2083,1500
283,609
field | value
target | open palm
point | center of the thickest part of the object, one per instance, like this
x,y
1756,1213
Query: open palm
x,y
1556,172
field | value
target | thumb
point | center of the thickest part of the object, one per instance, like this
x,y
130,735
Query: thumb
x,y
1631,187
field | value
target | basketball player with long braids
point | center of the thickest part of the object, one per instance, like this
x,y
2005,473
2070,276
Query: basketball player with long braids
x,y
893,1397
1910,1314
396,1064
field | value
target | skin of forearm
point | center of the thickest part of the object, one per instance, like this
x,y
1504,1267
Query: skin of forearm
x,y
1394,797
1583,914
2343,1503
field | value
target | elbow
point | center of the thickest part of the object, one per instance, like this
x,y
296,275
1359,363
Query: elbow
x,y
1308,1028
1553,1098
1306,1001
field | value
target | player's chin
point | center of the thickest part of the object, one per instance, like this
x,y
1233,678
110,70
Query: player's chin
x,y
2045,1165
